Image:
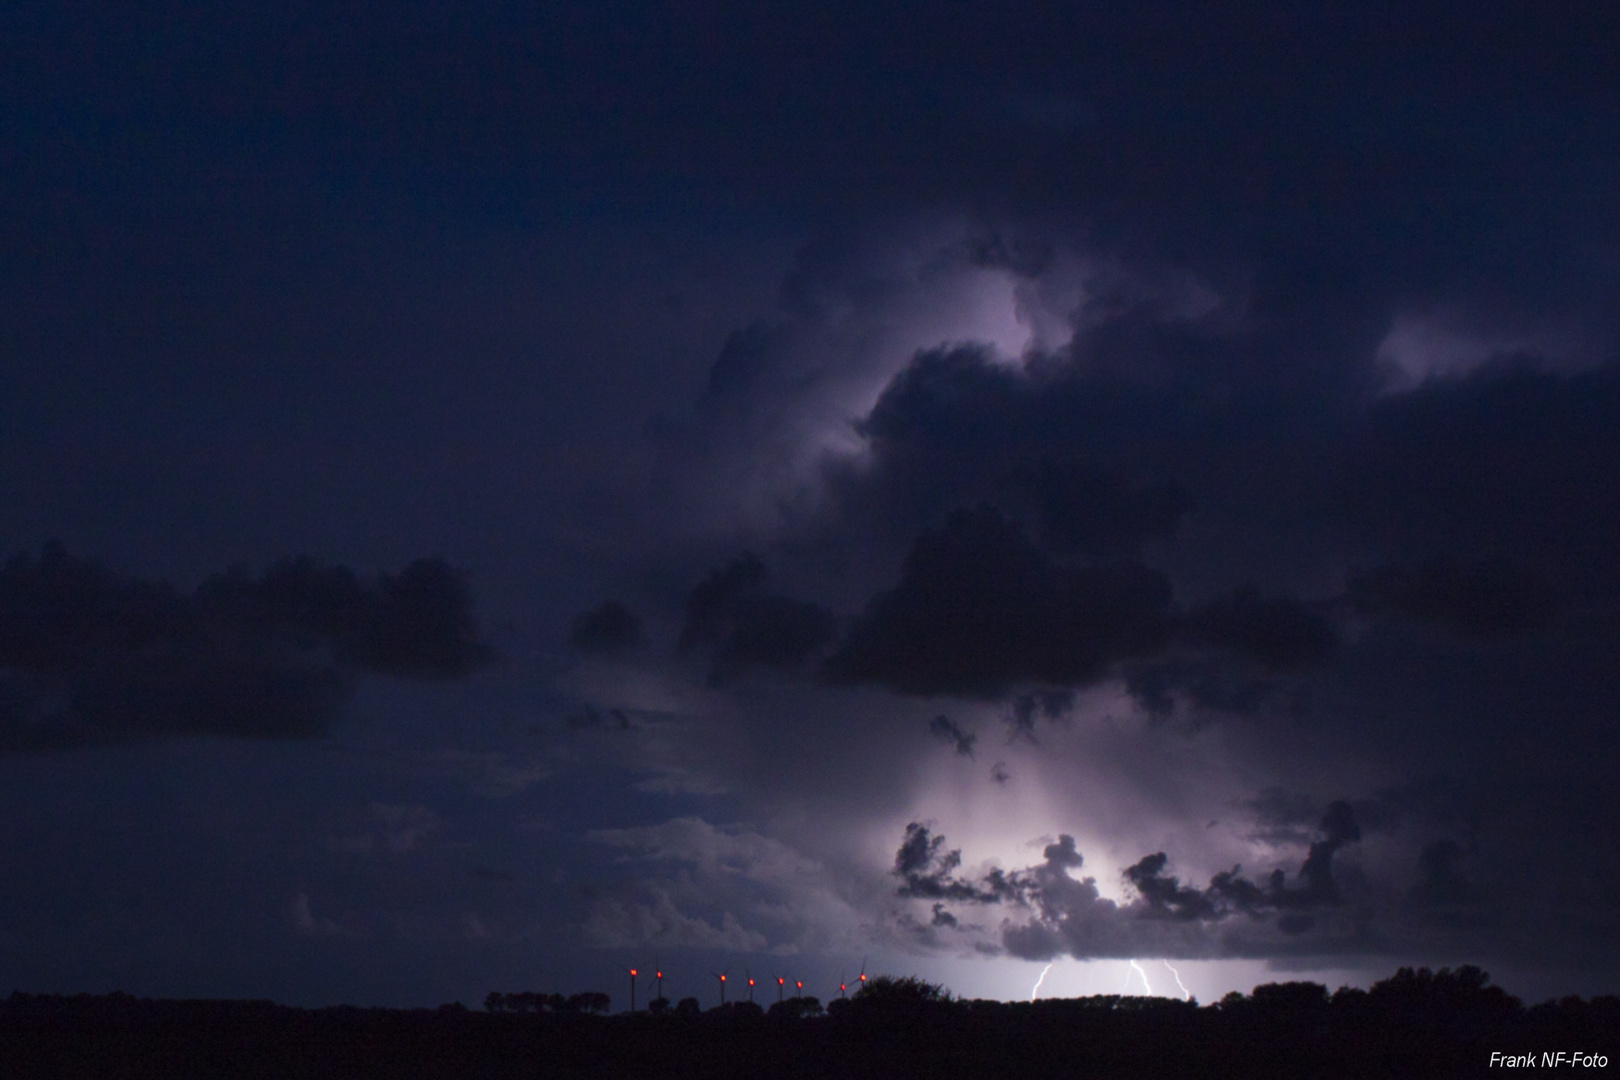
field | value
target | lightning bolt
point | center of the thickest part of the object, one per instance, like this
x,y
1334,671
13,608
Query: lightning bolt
x,y
1186,995
1138,969
1040,980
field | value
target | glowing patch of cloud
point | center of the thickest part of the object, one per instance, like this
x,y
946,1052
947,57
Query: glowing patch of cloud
x,y
1422,347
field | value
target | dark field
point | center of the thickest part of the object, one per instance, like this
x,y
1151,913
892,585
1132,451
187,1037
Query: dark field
x,y
1417,1024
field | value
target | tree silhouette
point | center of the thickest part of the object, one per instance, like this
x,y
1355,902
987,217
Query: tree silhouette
x,y
795,1008
590,1002
887,989
1416,1023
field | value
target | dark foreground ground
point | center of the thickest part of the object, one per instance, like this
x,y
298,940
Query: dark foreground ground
x,y
1417,1024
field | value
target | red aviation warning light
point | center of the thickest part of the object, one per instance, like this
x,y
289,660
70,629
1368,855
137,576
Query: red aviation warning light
x,y
721,975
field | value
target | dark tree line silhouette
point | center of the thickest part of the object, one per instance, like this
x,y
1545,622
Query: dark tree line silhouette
x,y
589,1002
1418,1023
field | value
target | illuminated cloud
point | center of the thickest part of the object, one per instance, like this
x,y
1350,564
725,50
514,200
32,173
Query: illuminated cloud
x,y
1055,913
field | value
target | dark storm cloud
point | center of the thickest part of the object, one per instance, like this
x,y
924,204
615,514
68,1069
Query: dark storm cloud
x,y
1233,655
1209,683
1500,480
955,427
928,871
744,359
1085,510
743,626
1480,600
1027,707
91,656
979,609
947,730
1338,829
1229,893
1166,894
1284,816
1279,634
609,629
1063,854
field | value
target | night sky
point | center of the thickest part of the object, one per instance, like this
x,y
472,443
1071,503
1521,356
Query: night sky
x,y
492,495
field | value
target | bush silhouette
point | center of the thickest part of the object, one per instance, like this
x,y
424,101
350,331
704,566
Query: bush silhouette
x,y
737,1011
892,990
1416,1023
796,1008
590,1002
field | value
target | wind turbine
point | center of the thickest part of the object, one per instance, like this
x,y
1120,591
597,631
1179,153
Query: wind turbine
x,y
798,988
750,979
721,975
658,973
843,985
780,981
632,972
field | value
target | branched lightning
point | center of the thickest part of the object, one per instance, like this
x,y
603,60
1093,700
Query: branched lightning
x,y
1138,969
1186,995
1040,980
